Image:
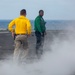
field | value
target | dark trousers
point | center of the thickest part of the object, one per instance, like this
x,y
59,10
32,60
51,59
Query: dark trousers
x,y
39,42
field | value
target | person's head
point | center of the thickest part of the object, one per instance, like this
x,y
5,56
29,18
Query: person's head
x,y
41,12
23,12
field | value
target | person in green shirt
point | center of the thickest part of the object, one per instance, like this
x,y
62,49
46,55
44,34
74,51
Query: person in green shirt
x,y
40,30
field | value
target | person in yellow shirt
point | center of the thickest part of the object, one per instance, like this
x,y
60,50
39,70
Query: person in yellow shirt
x,y
21,28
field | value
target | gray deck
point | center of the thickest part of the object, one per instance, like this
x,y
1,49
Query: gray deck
x,y
7,42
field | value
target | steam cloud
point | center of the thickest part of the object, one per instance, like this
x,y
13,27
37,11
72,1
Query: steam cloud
x,y
60,60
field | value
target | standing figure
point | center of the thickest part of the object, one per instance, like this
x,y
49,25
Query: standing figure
x,y
40,30
21,29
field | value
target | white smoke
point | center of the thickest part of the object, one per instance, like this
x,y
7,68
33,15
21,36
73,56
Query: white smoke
x,y
60,60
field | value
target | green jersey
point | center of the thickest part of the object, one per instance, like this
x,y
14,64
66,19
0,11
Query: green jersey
x,y
39,24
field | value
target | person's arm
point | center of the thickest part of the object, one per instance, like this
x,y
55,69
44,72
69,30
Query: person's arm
x,y
28,27
44,26
10,27
45,31
38,24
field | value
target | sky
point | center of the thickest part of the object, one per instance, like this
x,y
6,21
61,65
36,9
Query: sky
x,y
53,9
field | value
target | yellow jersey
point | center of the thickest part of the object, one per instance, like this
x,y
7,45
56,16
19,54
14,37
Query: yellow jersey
x,y
22,25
